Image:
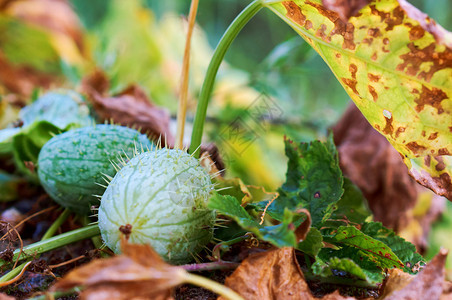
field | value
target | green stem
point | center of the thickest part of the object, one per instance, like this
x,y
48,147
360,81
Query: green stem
x,y
48,234
55,242
214,286
97,240
55,295
57,224
218,55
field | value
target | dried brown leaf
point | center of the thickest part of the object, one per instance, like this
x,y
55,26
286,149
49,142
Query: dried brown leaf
x,y
61,20
5,297
427,284
345,8
274,274
23,80
369,160
132,108
139,273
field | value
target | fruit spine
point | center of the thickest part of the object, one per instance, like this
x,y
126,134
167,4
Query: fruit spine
x,y
161,197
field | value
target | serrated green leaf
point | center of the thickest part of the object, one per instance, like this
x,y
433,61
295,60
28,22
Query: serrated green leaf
x,y
344,267
354,262
281,235
404,250
352,208
376,250
312,243
395,64
313,181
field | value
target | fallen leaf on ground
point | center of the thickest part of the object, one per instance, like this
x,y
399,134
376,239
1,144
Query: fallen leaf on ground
x,y
427,284
131,107
274,274
5,297
138,272
369,160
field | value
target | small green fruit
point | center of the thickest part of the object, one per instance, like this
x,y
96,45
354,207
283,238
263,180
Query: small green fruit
x,y
71,165
162,196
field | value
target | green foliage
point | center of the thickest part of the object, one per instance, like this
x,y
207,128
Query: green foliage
x,y
349,263
26,45
313,181
377,251
357,253
351,208
281,235
50,114
404,250
312,243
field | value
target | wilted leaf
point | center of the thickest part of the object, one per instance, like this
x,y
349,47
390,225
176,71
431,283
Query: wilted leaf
x,y
345,8
287,233
60,23
377,251
273,274
428,284
139,272
395,63
368,159
131,107
313,181
34,42
5,297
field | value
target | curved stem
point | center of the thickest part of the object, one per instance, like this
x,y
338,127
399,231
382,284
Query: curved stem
x,y
56,242
220,51
214,286
57,224
48,234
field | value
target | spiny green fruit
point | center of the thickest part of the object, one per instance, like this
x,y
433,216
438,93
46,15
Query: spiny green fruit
x,y
72,165
161,198
61,108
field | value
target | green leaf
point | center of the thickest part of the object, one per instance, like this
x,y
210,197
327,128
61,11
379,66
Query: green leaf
x,y
27,144
313,181
376,250
352,208
347,262
395,63
404,250
345,267
312,243
281,235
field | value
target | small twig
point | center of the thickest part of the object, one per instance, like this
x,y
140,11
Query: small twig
x,y
21,248
28,218
51,267
266,207
6,283
182,109
218,265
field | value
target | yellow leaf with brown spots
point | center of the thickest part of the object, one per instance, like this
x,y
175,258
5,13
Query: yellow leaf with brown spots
x,y
396,64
